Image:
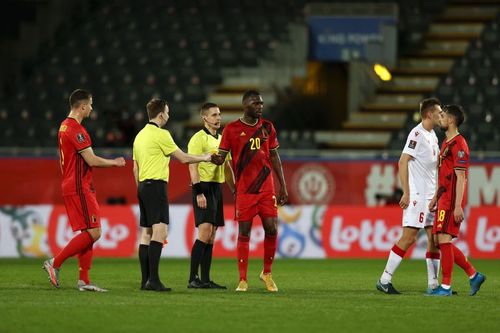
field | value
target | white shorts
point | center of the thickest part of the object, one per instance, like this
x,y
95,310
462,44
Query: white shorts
x,y
417,215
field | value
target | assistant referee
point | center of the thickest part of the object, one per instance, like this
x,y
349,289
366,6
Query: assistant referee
x,y
153,147
207,179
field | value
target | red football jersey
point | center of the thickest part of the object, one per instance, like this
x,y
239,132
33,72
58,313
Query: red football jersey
x,y
249,147
77,174
454,155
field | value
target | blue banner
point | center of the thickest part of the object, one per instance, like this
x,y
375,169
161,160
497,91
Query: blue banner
x,y
334,38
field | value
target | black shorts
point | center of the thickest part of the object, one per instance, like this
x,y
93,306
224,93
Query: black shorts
x,y
153,202
214,213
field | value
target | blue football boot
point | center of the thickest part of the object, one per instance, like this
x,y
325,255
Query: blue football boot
x,y
476,282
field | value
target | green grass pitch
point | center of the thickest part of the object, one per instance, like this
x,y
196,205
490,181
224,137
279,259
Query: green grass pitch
x,y
314,296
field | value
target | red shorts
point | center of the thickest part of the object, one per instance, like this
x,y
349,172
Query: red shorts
x,y
83,211
445,223
249,205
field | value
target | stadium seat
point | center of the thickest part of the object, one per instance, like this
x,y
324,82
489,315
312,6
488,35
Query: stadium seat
x,y
445,93
116,49
475,113
490,95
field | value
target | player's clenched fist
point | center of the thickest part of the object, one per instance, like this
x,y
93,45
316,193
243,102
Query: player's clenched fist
x,y
120,162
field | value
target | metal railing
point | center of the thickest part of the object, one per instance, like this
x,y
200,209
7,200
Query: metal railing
x,y
314,154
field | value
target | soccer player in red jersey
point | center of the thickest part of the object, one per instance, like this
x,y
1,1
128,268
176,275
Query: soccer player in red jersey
x,y
449,200
254,150
77,159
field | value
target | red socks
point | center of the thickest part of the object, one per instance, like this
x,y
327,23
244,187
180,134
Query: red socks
x,y
461,261
269,251
76,245
85,262
432,255
447,260
451,254
400,252
243,247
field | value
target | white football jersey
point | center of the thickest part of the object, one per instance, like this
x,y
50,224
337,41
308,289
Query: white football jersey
x,y
423,146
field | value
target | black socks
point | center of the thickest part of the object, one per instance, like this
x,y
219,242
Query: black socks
x,y
196,257
144,261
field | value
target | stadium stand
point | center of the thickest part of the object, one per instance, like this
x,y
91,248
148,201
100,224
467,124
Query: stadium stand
x,y
449,62
166,48
126,52
473,82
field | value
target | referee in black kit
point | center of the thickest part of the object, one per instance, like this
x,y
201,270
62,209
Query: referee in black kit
x,y
153,147
207,179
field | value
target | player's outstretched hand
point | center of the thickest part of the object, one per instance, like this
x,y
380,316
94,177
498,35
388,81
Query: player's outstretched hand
x,y
119,162
217,159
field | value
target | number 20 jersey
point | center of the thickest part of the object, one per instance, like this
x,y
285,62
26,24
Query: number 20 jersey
x,y
250,151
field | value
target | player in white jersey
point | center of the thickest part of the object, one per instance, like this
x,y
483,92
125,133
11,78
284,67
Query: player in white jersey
x,y
417,172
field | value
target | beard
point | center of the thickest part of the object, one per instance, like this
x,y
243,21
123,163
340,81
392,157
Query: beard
x,y
443,128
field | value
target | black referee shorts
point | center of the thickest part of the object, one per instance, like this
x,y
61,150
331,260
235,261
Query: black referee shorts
x,y
214,213
153,202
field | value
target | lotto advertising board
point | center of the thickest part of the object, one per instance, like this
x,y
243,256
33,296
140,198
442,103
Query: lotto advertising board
x,y
305,231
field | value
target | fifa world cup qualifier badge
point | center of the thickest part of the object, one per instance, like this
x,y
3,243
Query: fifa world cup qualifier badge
x,y
80,137
461,155
412,144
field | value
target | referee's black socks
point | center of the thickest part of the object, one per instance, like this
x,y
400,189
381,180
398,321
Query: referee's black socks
x,y
144,261
196,257
206,262
154,260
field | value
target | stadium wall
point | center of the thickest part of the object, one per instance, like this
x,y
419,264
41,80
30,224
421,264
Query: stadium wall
x,y
338,209
367,183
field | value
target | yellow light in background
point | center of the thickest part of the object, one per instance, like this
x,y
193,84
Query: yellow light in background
x,y
382,72
416,117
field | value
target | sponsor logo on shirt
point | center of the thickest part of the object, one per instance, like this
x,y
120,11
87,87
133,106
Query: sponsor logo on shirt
x,y
412,144
417,133
80,137
243,134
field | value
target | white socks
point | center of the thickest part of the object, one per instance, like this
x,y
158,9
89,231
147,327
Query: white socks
x,y
432,272
391,266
